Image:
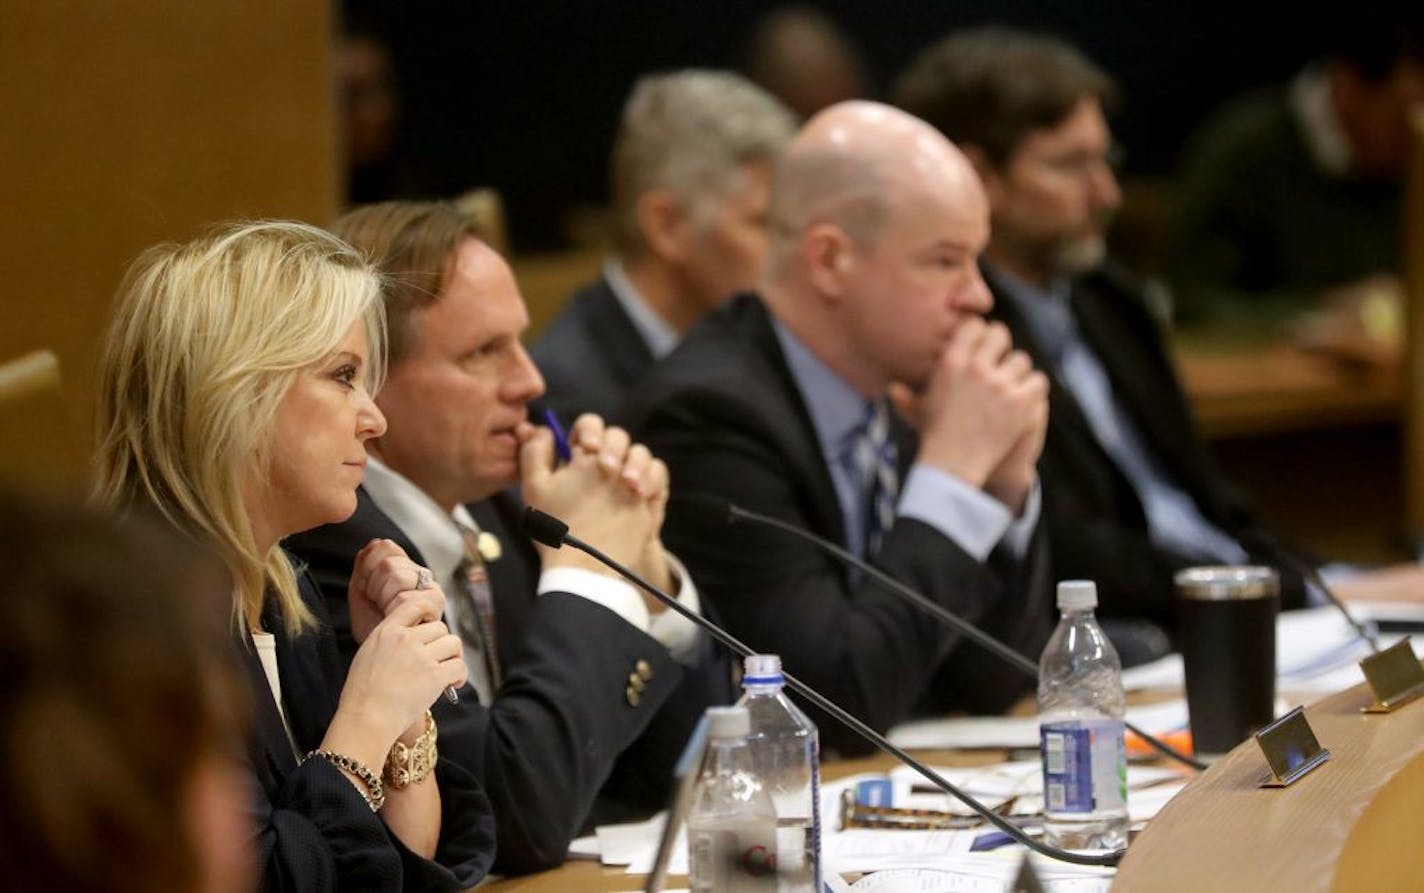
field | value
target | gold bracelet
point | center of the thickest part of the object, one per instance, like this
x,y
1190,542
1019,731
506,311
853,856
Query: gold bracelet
x,y
411,764
375,793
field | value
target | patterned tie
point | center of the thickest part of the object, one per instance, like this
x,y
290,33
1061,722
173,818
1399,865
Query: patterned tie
x,y
868,457
883,481
476,616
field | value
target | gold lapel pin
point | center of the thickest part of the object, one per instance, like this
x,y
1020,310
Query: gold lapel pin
x,y
488,546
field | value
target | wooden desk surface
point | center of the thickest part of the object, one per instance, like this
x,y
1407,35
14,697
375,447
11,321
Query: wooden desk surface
x,y
1249,389
1352,824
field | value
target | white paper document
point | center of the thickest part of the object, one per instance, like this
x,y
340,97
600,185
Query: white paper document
x,y
967,732
988,873
1317,652
990,878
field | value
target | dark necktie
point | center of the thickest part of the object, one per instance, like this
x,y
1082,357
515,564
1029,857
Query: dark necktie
x,y
476,617
871,458
884,481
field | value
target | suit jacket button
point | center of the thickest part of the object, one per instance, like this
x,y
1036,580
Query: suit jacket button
x,y
644,669
636,682
633,696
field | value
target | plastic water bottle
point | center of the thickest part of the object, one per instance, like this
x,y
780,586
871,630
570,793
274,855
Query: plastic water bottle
x,y
786,755
731,823
1080,710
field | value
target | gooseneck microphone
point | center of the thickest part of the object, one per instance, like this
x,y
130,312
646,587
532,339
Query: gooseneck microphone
x,y
718,510
1367,631
552,532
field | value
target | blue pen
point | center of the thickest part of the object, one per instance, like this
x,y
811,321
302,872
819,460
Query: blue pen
x,y
992,840
561,440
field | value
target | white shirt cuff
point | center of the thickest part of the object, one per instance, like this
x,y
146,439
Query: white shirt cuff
x,y
1021,530
971,518
677,633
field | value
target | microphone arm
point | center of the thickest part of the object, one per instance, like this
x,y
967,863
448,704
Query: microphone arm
x,y
554,533
1367,631
714,507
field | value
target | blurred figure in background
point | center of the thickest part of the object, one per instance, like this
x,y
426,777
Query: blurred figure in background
x,y
691,174
123,711
1289,199
804,59
370,106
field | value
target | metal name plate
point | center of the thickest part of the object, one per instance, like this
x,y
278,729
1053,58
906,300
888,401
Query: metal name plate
x,y
1395,676
1291,749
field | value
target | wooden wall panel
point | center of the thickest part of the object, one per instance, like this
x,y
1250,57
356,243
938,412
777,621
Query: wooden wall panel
x,y
129,122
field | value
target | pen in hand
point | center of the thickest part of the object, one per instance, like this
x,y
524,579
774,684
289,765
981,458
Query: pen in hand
x,y
424,580
561,439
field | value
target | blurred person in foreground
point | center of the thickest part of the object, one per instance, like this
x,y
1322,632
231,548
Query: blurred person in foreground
x,y
235,402
691,171
115,674
779,402
1290,198
1131,494
582,692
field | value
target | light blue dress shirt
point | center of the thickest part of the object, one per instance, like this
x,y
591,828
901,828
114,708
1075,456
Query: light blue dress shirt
x,y
657,332
971,518
1173,520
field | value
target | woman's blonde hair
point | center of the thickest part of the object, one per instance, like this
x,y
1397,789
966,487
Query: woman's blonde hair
x,y
205,341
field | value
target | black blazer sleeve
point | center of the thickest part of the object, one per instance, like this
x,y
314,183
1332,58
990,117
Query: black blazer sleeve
x,y
591,355
315,830
317,833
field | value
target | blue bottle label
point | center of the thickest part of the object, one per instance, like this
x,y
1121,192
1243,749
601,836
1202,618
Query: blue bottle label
x,y
1084,765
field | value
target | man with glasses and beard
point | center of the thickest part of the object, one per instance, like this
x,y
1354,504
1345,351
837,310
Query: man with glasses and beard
x,y
1130,494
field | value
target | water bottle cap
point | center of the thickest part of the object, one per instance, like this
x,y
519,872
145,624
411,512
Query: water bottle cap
x,y
728,722
1077,595
761,669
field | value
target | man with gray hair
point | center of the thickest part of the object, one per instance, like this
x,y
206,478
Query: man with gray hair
x,y
691,170
778,402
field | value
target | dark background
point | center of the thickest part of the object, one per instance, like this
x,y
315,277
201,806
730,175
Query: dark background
x,y
525,96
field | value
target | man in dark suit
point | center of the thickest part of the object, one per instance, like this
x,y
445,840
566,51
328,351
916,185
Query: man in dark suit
x,y
1130,493
777,401
582,694
690,171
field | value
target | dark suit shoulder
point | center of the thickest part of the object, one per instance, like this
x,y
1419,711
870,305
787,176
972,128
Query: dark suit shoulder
x,y
569,330
590,354
729,365
1135,302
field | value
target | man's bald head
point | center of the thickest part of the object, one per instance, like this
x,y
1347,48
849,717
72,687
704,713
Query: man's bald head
x,y
878,222
849,165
